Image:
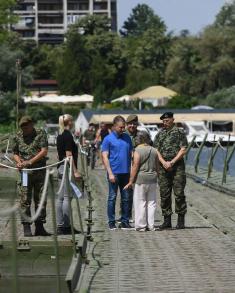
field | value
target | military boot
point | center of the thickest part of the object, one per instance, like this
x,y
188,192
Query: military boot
x,y
166,224
40,231
180,222
27,230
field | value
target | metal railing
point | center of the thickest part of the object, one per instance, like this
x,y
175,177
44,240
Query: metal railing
x,y
228,152
49,190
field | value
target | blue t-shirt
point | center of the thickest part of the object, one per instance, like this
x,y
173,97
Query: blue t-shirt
x,y
119,149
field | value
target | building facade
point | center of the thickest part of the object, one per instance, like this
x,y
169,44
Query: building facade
x,y
47,21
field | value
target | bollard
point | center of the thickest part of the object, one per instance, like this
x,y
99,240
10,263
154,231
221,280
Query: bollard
x,y
197,158
86,183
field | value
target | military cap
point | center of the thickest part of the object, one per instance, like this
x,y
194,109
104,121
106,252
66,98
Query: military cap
x,y
167,115
25,120
132,118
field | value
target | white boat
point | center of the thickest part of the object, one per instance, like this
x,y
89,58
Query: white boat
x,y
150,128
199,130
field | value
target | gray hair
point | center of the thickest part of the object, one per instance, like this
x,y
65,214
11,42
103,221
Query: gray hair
x,y
142,137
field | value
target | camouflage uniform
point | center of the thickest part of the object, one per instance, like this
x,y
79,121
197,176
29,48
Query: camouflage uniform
x,y
168,143
28,147
133,137
89,135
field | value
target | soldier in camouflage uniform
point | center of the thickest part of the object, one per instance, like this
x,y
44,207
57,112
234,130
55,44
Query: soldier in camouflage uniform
x,y
30,148
132,122
171,144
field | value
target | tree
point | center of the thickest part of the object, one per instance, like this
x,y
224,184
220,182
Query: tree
x,y
7,18
92,62
226,17
152,52
8,59
93,24
142,19
224,98
182,102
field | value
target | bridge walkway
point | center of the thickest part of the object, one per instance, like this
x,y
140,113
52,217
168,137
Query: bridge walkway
x,y
200,258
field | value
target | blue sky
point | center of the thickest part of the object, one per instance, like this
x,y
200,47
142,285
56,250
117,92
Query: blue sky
x,y
178,14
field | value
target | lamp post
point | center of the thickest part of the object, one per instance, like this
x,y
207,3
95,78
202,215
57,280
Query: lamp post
x,y
18,89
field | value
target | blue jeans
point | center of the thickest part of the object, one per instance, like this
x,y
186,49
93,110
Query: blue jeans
x,y
121,181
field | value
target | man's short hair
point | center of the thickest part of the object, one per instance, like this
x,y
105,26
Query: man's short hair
x,y
117,119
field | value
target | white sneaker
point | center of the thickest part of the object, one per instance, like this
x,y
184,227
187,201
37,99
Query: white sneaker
x,y
140,229
151,229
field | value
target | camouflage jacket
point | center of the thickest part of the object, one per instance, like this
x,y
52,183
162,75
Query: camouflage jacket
x,y
89,135
132,138
29,146
169,142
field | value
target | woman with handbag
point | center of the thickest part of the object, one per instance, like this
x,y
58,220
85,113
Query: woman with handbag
x,y
144,176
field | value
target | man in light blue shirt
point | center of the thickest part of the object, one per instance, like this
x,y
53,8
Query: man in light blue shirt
x,y
116,152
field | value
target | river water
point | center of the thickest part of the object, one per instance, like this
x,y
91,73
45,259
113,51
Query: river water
x,y
218,164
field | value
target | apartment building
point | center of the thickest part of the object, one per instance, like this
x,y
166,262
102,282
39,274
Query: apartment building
x,y
47,21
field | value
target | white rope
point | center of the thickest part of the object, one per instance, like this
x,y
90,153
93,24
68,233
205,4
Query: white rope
x,y
63,177
220,145
42,201
34,169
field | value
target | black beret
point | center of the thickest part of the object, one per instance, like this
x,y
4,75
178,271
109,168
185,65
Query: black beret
x,y
167,115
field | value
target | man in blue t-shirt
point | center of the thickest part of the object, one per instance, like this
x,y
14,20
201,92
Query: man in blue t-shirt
x,y
116,152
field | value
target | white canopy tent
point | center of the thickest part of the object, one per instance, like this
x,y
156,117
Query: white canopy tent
x,y
55,99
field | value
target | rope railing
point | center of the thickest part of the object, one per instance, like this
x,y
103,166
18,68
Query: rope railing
x,y
227,152
48,187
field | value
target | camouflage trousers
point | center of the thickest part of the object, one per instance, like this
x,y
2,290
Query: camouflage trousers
x,y
32,191
175,180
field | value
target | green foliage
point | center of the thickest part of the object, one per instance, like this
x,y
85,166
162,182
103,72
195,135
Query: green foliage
x,y
226,16
142,19
8,57
182,102
7,106
93,25
44,113
224,98
96,61
6,18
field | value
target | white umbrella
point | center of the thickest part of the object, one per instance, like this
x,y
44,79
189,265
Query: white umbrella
x,y
55,99
125,98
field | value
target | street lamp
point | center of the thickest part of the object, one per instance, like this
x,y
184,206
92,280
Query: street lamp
x,y
18,89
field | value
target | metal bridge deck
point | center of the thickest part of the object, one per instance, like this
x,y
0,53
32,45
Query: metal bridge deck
x,y
200,258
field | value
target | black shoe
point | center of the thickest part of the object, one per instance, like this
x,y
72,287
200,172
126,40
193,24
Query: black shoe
x,y
68,231
112,226
180,222
40,231
27,230
60,231
125,226
166,224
